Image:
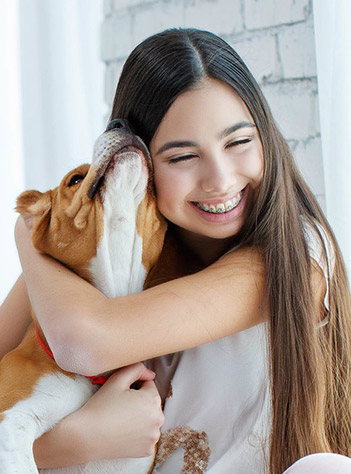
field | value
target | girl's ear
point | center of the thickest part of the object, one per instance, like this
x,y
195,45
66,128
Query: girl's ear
x,y
33,205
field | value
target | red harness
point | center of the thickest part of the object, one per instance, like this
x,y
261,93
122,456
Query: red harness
x,y
95,379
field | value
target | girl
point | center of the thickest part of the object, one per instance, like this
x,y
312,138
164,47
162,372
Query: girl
x,y
264,263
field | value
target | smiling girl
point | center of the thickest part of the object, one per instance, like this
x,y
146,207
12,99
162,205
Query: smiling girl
x,y
262,311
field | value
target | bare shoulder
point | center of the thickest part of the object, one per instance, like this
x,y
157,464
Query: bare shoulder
x,y
248,259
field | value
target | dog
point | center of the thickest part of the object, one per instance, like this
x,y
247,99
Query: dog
x,y
102,222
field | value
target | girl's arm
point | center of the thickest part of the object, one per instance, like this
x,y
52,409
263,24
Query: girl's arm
x,y
14,317
90,333
116,422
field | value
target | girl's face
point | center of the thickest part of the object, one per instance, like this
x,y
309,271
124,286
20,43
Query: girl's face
x,y
208,161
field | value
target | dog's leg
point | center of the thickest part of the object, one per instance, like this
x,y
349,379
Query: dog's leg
x,y
54,397
16,438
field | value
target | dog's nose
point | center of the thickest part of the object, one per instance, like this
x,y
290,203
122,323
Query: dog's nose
x,y
121,124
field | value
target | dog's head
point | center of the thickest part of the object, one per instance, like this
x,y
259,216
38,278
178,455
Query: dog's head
x,y
93,219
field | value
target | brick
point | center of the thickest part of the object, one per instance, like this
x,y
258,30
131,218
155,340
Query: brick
x,y
116,39
260,55
297,51
149,21
308,156
295,108
263,13
220,16
107,8
118,5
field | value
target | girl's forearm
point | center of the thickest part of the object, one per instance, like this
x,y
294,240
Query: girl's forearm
x,y
56,294
63,446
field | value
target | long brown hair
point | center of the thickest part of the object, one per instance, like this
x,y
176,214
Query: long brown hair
x,y
310,365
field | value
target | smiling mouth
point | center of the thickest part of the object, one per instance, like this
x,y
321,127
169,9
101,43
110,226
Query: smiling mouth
x,y
221,207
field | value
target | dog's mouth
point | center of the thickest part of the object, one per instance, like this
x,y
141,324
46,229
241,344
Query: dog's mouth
x,y
122,151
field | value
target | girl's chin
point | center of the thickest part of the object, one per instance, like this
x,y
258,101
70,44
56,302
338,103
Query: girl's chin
x,y
209,234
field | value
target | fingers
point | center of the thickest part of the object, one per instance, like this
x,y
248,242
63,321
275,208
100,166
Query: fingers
x,y
156,415
149,386
138,376
127,376
133,417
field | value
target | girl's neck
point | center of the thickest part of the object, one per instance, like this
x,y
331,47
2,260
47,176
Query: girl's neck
x,y
207,249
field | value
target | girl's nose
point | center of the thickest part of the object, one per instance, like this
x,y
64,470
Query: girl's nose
x,y
218,176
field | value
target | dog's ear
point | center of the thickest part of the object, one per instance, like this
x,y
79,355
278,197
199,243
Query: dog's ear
x,y
33,205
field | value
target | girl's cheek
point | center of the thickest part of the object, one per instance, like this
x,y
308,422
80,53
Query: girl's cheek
x,y
165,185
253,167
169,178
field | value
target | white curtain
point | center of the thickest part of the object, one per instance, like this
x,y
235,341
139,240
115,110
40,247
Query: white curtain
x,y
332,20
11,169
62,86
52,105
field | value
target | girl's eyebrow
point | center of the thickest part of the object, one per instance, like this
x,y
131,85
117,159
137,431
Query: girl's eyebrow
x,y
234,128
186,143
175,144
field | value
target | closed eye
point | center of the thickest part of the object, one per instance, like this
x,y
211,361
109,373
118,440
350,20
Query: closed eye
x,y
240,142
179,159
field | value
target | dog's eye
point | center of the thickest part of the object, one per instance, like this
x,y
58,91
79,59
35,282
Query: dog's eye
x,y
77,178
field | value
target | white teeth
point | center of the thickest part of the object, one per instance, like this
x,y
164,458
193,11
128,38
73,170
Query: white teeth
x,y
221,207
229,205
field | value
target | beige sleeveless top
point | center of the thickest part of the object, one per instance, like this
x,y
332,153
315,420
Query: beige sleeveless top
x,y
217,416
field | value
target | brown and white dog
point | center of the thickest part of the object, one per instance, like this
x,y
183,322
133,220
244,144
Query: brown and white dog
x,y
102,222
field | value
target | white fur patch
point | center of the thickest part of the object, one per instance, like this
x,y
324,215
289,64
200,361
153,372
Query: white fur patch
x,y
117,269
54,397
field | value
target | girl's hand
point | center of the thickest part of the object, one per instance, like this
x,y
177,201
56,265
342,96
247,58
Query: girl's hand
x,y
119,421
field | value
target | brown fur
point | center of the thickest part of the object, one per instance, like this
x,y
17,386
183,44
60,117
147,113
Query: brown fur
x,y
21,368
65,223
152,227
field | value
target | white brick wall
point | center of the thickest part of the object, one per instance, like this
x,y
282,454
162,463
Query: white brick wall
x,y
268,13
260,55
297,53
118,29
147,20
275,39
203,14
